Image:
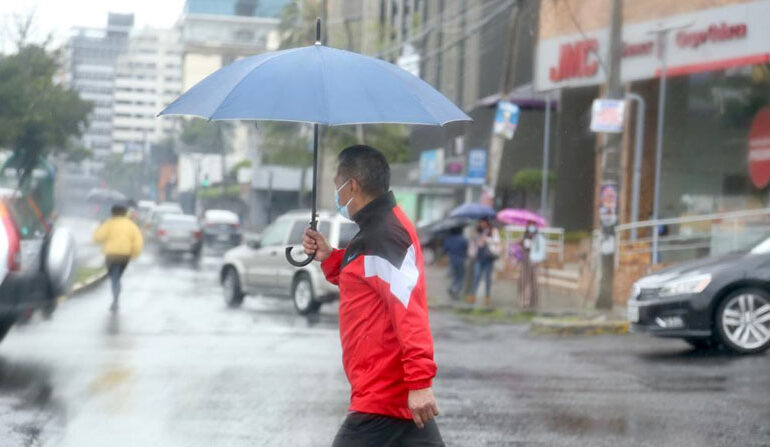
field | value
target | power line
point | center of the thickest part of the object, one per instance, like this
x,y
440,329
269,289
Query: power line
x,y
439,22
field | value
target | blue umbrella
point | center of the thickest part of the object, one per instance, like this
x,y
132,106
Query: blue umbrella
x,y
319,85
473,211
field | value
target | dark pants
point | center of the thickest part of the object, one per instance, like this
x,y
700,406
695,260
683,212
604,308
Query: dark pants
x,y
116,265
483,270
457,270
374,430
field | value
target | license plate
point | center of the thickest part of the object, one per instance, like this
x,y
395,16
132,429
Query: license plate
x,y
223,238
633,312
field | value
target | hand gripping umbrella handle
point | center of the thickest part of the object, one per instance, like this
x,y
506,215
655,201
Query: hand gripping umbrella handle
x,y
296,263
292,261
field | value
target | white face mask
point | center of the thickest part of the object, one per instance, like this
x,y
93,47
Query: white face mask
x,y
342,209
531,228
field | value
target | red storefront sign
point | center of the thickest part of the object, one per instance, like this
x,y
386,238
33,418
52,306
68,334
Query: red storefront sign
x,y
576,60
759,148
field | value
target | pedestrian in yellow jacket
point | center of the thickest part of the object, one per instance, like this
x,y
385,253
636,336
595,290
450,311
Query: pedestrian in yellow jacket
x,y
121,241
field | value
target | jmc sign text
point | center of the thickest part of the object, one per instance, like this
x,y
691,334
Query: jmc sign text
x,y
717,38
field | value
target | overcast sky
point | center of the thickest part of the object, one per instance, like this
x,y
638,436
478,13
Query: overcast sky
x,y
58,16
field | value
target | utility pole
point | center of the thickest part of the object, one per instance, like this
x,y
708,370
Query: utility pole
x,y
611,172
496,141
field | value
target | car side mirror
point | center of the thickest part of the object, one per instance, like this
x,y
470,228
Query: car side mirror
x,y
254,243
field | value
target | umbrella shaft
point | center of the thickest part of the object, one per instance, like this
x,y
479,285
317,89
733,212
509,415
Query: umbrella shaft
x,y
313,220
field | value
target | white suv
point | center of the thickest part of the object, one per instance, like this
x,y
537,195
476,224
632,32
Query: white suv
x,y
260,266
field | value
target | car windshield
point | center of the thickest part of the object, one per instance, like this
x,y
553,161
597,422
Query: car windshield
x,y
178,221
761,247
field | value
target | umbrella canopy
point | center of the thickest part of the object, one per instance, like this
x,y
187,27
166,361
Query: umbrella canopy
x,y
316,84
517,216
319,85
473,211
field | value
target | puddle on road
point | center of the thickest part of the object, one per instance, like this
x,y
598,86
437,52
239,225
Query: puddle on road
x,y
111,379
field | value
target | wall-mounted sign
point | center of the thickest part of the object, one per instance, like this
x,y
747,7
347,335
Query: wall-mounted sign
x,y
759,148
431,165
719,38
506,119
607,115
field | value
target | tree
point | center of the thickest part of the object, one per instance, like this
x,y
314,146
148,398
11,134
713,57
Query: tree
x,y
297,25
530,180
79,154
201,136
38,116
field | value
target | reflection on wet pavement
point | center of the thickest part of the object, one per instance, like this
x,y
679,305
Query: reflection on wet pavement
x,y
176,367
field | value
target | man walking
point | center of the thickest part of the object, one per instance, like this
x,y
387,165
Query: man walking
x,y
387,347
121,241
456,247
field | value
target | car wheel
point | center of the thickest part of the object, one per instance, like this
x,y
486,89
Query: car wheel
x,y
303,295
701,344
5,326
231,285
743,321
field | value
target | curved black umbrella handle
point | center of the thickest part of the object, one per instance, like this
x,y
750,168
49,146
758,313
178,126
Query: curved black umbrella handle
x,y
296,263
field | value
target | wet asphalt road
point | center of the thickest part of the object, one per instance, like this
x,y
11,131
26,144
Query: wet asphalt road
x,y
177,368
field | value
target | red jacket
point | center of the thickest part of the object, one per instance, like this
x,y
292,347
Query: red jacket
x,y
387,347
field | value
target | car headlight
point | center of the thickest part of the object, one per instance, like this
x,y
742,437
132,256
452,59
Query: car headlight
x,y
636,290
686,285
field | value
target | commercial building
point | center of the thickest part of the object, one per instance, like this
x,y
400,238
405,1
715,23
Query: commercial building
x,y
148,77
213,34
717,74
91,54
459,47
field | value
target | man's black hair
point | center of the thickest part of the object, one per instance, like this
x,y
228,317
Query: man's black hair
x,y
119,210
368,166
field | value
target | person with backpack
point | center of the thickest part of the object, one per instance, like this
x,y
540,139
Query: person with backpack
x,y
484,249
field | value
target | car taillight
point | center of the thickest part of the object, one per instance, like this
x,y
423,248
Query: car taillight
x,y
161,232
198,234
14,239
236,225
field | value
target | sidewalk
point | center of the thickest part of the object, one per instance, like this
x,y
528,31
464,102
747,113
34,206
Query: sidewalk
x,y
561,310
505,296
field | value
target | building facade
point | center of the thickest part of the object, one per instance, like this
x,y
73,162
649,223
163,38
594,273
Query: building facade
x,y
91,56
717,75
214,34
148,76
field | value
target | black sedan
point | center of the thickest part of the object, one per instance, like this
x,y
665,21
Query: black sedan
x,y
715,300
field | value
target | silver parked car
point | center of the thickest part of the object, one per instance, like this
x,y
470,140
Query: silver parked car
x,y
179,233
259,266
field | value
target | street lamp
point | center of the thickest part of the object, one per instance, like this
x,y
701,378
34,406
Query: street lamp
x,y
661,33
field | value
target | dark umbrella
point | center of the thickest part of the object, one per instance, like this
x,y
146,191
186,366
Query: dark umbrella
x,y
318,85
473,211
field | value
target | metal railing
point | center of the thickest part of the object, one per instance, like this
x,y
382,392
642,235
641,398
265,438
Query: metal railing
x,y
691,237
554,239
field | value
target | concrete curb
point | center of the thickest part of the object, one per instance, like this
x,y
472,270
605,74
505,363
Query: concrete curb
x,y
85,285
568,326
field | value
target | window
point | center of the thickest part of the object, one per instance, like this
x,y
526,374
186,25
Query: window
x,y
347,232
274,234
298,230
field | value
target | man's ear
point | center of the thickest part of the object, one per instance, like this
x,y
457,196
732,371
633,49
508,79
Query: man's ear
x,y
354,186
